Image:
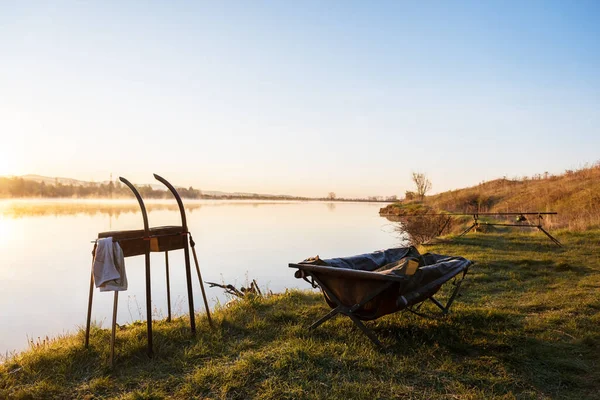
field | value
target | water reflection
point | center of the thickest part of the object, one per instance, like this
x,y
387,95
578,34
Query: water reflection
x,y
45,255
392,218
27,207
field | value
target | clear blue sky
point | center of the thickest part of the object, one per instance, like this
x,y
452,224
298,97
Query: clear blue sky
x,y
299,97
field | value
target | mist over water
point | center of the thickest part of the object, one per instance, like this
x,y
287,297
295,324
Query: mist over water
x,y
45,255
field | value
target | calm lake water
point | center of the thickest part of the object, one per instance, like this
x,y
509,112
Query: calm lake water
x,y
45,255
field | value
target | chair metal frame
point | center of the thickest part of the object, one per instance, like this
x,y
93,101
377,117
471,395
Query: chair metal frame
x,y
406,300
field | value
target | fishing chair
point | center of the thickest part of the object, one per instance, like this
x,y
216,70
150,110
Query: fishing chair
x,y
369,286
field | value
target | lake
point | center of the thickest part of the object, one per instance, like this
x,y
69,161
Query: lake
x,y
45,255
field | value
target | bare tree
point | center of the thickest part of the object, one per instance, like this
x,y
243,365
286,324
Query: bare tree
x,y
331,196
422,182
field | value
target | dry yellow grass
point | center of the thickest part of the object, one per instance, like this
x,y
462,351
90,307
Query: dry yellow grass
x,y
575,195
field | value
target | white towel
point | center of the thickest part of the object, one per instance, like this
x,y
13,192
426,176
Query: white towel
x,y
109,266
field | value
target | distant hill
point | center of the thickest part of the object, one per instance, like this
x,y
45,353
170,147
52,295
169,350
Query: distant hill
x,y
575,195
51,181
245,194
69,181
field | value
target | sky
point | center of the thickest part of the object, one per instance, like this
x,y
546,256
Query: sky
x,y
300,98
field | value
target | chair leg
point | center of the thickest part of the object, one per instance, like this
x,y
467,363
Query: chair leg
x,y
114,329
365,330
327,316
349,311
440,305
354,319
89,310
168,287
454,294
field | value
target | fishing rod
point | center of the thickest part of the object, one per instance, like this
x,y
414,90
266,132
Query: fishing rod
x,y
476,223
478,213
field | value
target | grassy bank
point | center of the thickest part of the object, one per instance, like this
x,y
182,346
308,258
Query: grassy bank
x,y
527,326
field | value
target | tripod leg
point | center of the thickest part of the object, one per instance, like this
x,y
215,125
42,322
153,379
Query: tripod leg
x,y
556,242
193,244
188,280
468,230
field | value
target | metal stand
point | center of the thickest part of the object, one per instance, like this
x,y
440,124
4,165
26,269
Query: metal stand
x,y
114,329
193,244
146,238
91,296
476,224
188,274
168,287
160,239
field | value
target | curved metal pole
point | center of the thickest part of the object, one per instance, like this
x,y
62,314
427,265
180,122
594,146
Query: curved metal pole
x,y
177,197
140,201
147,257
186,249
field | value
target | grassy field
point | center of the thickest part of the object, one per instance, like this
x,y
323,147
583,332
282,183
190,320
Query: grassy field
x,y
526,326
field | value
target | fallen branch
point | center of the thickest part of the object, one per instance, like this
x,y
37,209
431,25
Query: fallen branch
x,y
228,288
243,291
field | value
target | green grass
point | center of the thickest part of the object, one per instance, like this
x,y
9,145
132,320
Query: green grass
x,y
526,326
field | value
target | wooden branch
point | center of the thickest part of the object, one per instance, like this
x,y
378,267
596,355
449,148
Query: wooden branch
x,y
228,288
256,287
243,291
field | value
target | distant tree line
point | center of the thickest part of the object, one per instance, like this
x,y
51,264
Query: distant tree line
x,y
19,187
